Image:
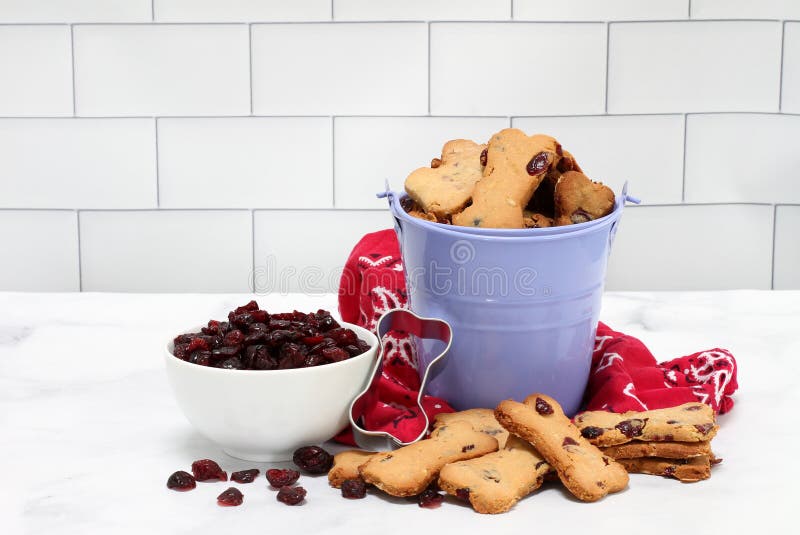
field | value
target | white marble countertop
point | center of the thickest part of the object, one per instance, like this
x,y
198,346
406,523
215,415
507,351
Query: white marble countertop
x,y
89,431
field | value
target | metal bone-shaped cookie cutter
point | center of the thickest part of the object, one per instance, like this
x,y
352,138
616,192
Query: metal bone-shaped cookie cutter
x,y
401,320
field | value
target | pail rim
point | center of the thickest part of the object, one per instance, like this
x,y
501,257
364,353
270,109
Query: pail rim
x,y
533,234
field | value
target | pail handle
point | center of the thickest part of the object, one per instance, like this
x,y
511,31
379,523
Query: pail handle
x,y
389,195
624,198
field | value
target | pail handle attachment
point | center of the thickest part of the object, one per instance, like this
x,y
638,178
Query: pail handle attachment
x,y
389,195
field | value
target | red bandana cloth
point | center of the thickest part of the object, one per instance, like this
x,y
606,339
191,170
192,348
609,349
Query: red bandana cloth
x,y
625,376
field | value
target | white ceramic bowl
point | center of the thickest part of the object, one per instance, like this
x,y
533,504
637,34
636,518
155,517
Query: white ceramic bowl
x,y
264,415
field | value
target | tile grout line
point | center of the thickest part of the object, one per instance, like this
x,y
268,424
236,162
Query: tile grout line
x,y
780,76
333,161
429,69
158,165
72,57
332,14
774,230
253,248
689,10
608,61
80,261
683,171
153,10
511,15
250,47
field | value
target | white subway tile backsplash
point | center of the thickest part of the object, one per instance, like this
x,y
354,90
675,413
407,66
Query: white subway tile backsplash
x,y
699,247
786,275
310,258
370,150
745,9
755,153
39,251
36,62
693,66
421,10
343,69
75,10
645,150
166,251
162,70
274,162
77,163
790,94
241,10
494,68
600,9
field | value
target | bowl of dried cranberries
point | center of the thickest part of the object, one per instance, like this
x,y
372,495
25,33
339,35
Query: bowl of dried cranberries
x,y
261,385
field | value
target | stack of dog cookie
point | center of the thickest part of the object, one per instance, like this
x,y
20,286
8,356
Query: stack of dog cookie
x,y
514,181
673,442
492,459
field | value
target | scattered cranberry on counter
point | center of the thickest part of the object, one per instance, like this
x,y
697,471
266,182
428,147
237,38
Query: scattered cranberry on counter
x,y
291,495
282,478
253,339
181,481
355,489
245,476
313,459
430,498
208,470
230,498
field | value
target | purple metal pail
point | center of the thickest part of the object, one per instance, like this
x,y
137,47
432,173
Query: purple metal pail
x,y
523,306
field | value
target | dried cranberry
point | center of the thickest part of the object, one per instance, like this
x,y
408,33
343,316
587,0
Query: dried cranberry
x,y
462,494
327,323
184,338
569,441
197,344
291,495
180,351
342,336
313,459
203,358
224,353
591,432
245,476
259,316
430,499
234,338
468,447
282,478
631,428
181,481
213,328
241,320
207,470
559,149
484,157
312,340
255,338
279,337
704,428
693,408
538,164
231,364
291,355
353,350
230,497
249,307
354,489
669,471
436,162
543,407
335,354
259,327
